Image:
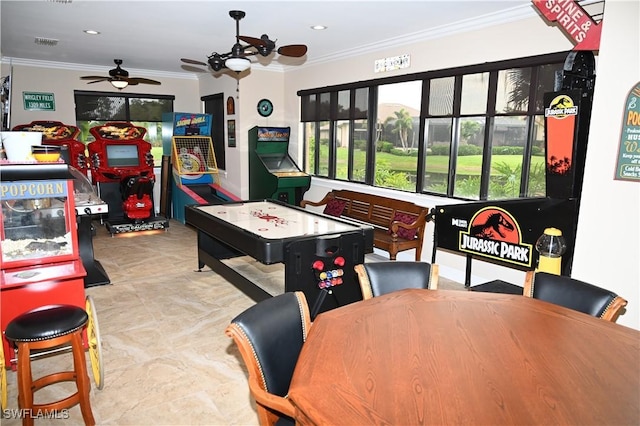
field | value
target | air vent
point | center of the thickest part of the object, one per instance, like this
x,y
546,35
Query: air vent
x,y
43,41
60,1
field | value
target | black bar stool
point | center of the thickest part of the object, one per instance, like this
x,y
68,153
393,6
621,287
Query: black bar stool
x,y
45,328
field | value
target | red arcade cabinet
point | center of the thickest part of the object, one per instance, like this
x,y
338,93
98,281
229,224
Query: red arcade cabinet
x,y
122,170
60,134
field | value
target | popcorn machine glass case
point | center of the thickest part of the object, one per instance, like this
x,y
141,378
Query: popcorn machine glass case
x,y
38,215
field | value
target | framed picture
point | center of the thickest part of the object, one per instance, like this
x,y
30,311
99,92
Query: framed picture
x,y
231,106
231,133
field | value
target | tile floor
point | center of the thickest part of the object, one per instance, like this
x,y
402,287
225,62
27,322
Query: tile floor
x,y
165,357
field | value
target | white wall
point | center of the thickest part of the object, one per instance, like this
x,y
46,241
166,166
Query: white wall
x,y
62,83
608,242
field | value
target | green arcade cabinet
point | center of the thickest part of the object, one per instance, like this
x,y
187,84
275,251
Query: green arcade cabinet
x,y
272,172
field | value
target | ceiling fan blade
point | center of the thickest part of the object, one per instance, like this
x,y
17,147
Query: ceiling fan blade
x,y
94,77
98,81
193,62
192,69
293,50
137,80
256,42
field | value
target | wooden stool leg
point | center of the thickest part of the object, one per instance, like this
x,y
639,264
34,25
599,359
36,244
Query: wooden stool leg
x,y
25,380
82,378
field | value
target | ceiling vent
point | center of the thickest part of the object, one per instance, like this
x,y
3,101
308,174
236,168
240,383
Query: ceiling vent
x,y
43,41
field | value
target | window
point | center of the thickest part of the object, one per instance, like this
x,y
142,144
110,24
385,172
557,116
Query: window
x,y
474,133
97,108
398,122
342,134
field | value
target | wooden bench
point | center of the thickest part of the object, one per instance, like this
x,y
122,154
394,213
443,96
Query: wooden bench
x,y
398,225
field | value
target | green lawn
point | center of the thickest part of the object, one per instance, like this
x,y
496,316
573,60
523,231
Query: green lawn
x,y
467,165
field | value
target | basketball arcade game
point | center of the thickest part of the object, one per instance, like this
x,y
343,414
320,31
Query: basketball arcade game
x,y
195,174
189,155
505,231
122,170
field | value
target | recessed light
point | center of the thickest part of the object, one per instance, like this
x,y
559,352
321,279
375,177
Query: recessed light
x,y
318,27
92,32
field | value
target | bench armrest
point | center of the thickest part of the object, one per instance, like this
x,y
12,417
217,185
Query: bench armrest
x,y
417,224
322,202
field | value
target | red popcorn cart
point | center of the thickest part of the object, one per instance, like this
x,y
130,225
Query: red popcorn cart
x,y
41,263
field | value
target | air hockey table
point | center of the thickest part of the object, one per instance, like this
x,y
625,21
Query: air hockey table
x,y
318,252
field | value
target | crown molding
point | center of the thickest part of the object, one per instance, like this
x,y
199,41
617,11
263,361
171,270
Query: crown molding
x,y
503,17
68,66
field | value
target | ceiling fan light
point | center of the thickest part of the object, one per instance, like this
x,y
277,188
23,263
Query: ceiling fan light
x,y
119,84
238,64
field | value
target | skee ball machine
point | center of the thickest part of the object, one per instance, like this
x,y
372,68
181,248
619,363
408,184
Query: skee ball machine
x,y
122,170
195,174
505,231
272,172
64,135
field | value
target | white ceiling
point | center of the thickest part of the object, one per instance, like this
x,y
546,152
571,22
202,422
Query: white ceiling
x,y
152,36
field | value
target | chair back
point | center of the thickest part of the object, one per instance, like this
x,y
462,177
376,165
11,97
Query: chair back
x,y
378,278
574,294
269,336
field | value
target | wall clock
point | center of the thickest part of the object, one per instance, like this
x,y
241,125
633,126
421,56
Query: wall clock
x,y
265,107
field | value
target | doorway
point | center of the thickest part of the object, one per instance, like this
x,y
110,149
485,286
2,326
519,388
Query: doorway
x,y
214,105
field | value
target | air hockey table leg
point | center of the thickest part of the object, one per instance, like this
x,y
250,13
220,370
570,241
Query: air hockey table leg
x,y
317,305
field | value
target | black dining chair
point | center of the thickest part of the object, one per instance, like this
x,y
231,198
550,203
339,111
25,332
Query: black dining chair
x,y
378,278
269,336
574,294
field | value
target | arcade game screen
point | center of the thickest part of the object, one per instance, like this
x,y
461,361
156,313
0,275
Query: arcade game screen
x,y
278,163
122,156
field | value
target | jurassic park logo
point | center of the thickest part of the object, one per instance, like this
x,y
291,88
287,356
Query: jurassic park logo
x,y
560,107
494,233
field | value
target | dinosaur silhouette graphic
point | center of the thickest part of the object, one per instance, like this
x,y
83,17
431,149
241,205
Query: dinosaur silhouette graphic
x,y
563,102
495,224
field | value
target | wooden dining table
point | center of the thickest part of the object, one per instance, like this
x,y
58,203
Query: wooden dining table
x,y
458,357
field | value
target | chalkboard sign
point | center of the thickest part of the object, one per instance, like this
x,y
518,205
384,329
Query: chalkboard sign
x,y
628,167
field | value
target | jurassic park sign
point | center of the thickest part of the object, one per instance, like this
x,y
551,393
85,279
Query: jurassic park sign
x,y
504,231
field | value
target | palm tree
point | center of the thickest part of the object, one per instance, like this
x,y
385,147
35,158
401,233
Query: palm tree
x,y
403,123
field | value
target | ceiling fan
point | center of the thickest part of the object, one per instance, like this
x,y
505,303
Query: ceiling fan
x,y
238,58
119,78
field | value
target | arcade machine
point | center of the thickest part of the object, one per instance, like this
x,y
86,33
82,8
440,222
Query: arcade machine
x,y
186,139
195,174
505,231
183,124
272,172
59,134
122,170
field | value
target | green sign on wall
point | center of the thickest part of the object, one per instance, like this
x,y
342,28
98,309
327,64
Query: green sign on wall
x,y
628,167
35,101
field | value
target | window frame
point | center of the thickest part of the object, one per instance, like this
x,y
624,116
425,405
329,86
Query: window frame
x,y
127,97
535,63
